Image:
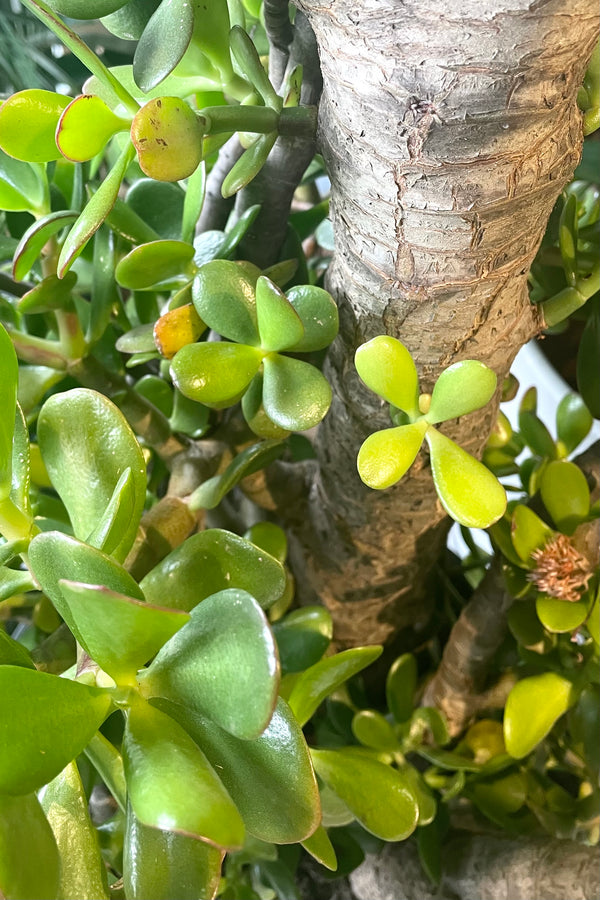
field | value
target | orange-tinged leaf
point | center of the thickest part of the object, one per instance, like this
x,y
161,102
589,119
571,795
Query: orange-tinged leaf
x,y
177,328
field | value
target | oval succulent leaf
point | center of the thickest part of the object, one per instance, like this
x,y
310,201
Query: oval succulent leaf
x,y
170,783
460,389
319,315
528,532
271,779
400,687
252,459
85,127
296,395
215,373
86,445
176,328
357,780
210,562
320,848
9,372
188,868
279,325
82,869
34,239
163,42
45,722
532,708
85,9
222,665
566,495
150,265
573,421
387,455
119,633
167,135
468,491
22,185
224,297
320,680
248,165
387,368
560,616
302,637
28,123
373,730
26,834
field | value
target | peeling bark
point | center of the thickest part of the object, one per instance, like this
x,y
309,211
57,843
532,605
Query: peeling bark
x,y
448,133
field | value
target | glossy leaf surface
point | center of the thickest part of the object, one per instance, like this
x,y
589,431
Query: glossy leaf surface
x,y
359,782
167,135
560,616
528,532
171,785
224,297
9,370
209,562
460,389
21,185
86,445
320,848
373,730
82,870
252,459
215,373
12,653
319,315
566,495
222,665
159,864
85,128
28,122
279,325
176,328
303,636
55,556
296,395
26,835
66,715
467,490
85,9
248,165
573,421
320,680
50,293
532,708
154,263
400,687
37,235
386,456
270,779
387,368
163,42
118,632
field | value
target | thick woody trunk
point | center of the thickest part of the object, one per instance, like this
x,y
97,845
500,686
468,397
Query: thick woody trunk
x,y
449,131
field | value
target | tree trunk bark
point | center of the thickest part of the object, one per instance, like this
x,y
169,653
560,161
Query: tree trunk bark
x,y
448,132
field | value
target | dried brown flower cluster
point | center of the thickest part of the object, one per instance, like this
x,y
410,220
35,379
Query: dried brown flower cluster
x,y
560,570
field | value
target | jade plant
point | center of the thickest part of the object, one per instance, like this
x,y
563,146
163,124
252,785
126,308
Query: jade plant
x,y
468,491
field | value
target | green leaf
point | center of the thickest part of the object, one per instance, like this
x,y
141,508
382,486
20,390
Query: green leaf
x,y
85,128
373,730
95,212
54,556
279,325
467,490
296,395
254,412
118,632
400,687
86,446
528,532
139,340
85,9
270,779
28,123
588,369
14,581
163,42
82,870
387,368
193,203
129,21
524,624
45,722
573,421
560,616
25,835
224,297
423,794
171,785
532,708
159,864
223,665
116,518
252,459
215,373
386,456
9,373
167,135
21,185
272,538
448,759
248,165
532,429
21,464
302,637
319,315
50,293
565,493
210,562
249,62
378,795
320,680
12,653
320,848
567,238
160,205
460,389
151,265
